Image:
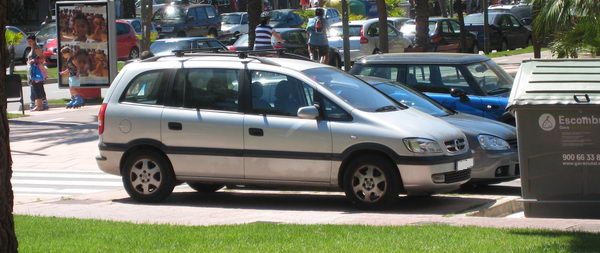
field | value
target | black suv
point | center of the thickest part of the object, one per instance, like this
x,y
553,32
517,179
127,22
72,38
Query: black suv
x,y
187,21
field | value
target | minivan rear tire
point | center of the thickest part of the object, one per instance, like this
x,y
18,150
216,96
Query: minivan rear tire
x,y
205,188
148,176
371,182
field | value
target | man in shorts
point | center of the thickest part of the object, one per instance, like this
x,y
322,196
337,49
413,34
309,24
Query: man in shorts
x,y
316,32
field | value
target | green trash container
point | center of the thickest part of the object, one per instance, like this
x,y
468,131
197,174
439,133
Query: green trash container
x,y
557,108
357,7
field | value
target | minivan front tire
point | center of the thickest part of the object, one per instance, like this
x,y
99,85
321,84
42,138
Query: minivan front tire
x,y
148,176
371,182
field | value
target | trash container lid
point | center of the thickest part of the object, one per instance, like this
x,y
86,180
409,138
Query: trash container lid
x,y
556,81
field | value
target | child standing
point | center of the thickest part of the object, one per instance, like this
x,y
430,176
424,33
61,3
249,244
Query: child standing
x,y
76,99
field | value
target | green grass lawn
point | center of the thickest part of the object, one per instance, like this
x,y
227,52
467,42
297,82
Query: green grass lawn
x,y
16,115
513,52
41,234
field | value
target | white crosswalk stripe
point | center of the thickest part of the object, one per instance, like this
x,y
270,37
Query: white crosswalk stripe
x,y
60,183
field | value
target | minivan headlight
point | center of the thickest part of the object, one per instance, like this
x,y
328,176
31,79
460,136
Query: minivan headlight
x,y
489,142
422,145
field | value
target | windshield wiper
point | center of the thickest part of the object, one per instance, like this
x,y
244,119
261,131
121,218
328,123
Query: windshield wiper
x,y
387,108
498,91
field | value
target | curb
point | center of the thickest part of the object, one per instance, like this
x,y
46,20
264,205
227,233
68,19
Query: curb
x,y
501,208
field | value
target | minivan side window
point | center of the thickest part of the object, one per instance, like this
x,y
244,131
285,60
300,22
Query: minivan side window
x,y
278,94
145,89
215,89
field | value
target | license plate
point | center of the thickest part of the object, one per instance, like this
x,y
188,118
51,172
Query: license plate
x,y
464,164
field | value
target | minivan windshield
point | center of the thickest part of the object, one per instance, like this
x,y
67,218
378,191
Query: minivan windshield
x,y
169,14
352,90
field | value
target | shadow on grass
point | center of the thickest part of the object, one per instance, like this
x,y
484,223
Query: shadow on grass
x,y
303,201
579,241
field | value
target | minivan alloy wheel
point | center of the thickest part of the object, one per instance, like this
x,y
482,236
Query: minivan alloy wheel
x,y
145,176
369,183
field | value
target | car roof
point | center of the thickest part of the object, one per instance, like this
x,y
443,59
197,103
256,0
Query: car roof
x,y
422,58
186,39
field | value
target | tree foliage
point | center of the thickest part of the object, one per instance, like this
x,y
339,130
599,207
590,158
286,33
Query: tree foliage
x,y
574,24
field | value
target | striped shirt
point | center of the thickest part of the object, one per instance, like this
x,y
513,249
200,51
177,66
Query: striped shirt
x,y
263,37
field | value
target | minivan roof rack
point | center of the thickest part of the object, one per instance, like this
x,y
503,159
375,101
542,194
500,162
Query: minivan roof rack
x,y
217,51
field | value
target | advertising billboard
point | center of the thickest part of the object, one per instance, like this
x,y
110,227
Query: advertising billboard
x,y
86,47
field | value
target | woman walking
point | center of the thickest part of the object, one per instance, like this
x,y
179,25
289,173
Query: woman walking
x,y
36,74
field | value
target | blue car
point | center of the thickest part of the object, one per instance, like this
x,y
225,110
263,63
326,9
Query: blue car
x,y
466,83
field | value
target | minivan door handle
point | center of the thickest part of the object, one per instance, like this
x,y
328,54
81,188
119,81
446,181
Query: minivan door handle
x,y
256,132
175,126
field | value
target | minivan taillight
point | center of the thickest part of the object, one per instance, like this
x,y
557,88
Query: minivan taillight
x,y
101,118
363,39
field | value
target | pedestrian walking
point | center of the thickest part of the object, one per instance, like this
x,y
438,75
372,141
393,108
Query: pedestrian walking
x,y
318,45
264,32
36,74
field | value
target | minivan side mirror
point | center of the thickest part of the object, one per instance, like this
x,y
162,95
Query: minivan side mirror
x,y
308,112
459,93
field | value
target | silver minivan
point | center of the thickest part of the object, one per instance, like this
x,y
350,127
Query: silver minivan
x,y
215,120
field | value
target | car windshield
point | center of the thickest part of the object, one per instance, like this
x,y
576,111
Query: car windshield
x,y
165,47
490,77
477,18
47,32
169,13
231,19
352,90
279,15
337,31
410,98
410,28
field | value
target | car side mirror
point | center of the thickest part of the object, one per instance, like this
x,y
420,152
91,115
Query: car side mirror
x,y
308,112
459,93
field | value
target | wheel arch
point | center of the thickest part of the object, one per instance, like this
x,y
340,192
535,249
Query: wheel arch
x,y
141,144
365,149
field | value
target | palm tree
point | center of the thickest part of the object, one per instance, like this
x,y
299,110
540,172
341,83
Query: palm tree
x,y
254,10
8,238
12,38
422,20
574,24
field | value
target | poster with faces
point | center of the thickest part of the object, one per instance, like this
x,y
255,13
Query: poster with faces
x,y
83,44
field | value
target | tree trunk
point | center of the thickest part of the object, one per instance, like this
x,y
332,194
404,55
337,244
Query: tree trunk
x,y
128,8
146,24
254,10
8,238
11,59
422,20
458,8
443,8
536,39
383,26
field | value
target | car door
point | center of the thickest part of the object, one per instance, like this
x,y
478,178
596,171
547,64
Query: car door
x,y
449,42
440,82
521,33
202,126
396,42
507,32
278,145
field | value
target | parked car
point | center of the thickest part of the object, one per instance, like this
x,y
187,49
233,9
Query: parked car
x,y
331,16
494,143
196,20
156,5
234,23
166,46
444,35
217,120
364,38
137,27
46,33
467,83
21,49
50,51
285,18
128,45
522,11
397,22
295,42
505,30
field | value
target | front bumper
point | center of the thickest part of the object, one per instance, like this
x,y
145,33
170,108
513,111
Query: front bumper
x,y
495,166
417,179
